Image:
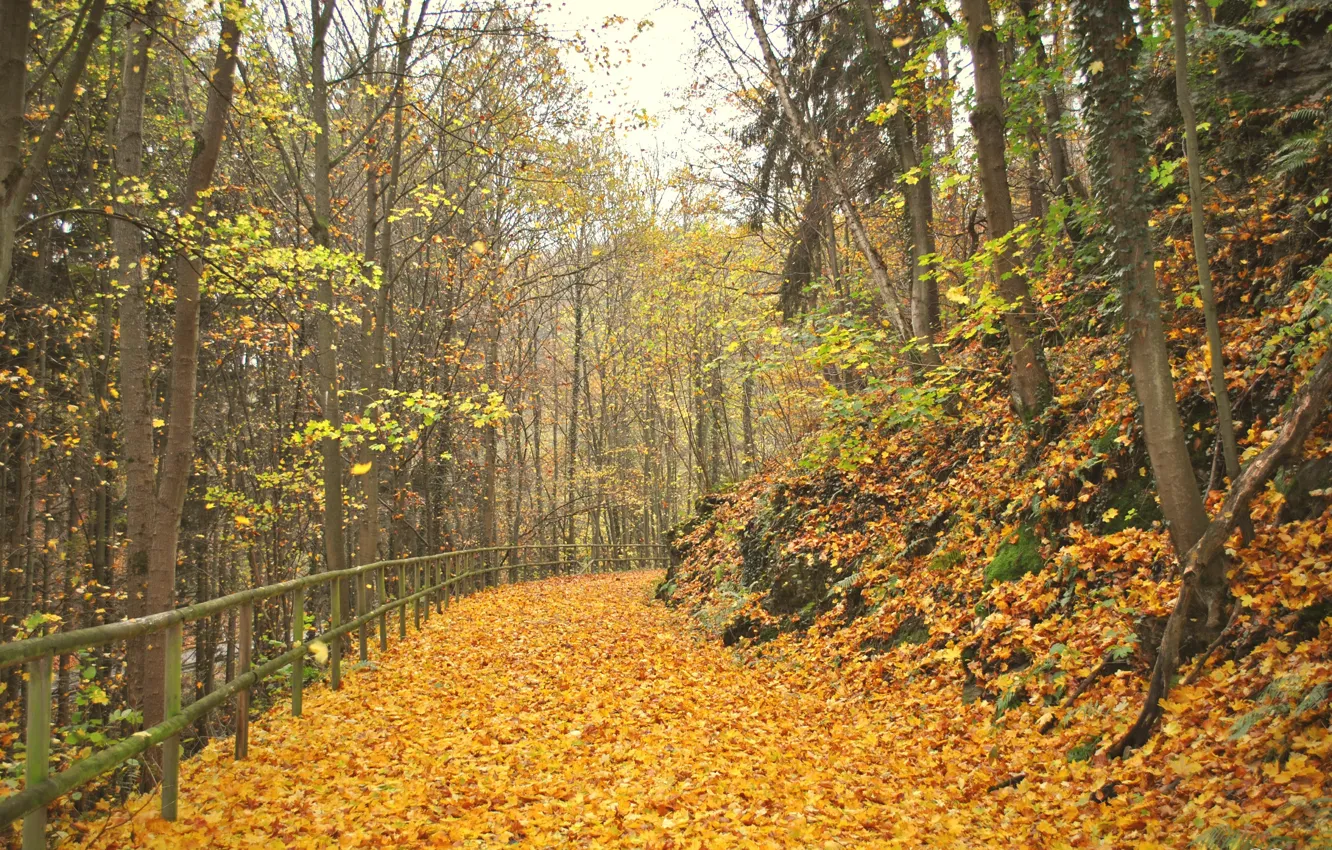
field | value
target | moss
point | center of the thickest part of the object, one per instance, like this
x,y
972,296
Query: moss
x,y
1016,558
946,560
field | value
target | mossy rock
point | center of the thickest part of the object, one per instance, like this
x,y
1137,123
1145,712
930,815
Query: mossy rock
x,y
912,631
1016,558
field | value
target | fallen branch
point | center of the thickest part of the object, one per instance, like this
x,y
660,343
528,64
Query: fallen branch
x,y
1106,666
1304,414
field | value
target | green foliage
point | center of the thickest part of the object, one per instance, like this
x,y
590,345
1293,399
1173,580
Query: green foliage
x,y
947,560
1085,750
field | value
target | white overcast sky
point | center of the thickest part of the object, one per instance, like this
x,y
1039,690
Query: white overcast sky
x,y
653,74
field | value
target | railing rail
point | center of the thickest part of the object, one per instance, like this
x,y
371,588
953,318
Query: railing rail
x,y
422,582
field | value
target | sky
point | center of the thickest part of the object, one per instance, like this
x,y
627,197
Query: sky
x,y
654,68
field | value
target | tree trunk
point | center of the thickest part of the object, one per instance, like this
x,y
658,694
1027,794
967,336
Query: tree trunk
x,y
178,457
819,155
135,359
571,438
15,17
16,179
367,539
490,444
1109,48
1185,621
331,448
917,191
1029,381
1065,181
1216,353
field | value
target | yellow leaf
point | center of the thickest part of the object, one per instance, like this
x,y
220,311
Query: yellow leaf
x,y
362,468
319,650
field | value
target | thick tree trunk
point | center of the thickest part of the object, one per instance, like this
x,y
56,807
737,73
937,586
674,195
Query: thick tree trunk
x,y
135,395
1109,48
1029,380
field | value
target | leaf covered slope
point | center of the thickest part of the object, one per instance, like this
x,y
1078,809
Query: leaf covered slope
x,y
997,597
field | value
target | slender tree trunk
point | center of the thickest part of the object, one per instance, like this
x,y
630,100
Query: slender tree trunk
x,y
331,447
1109,48
16,180
15,18
135,360
917,191
490,445
1029,381
367,538
1065,181
571,453
178,457
1304,413
819,155
1216,353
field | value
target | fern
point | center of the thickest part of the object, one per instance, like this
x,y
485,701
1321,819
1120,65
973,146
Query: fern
x,y
1218,837
1297,154
1315,696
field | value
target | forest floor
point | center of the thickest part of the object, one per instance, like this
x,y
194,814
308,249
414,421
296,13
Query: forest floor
x,y
571,712
580,712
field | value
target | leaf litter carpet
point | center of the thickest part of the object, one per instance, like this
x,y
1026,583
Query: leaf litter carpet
x,y
574,712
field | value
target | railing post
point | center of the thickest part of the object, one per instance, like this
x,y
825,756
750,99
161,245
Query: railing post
x,y
402,609
243,695
363,633
171,708
297,638
439,591
39,747
447,561
335,643
426,585
380,599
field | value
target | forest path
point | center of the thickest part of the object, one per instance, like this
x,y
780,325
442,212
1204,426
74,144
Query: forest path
x,y
569,712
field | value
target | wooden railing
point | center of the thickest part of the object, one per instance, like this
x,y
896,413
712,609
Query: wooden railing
x,y
423,583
